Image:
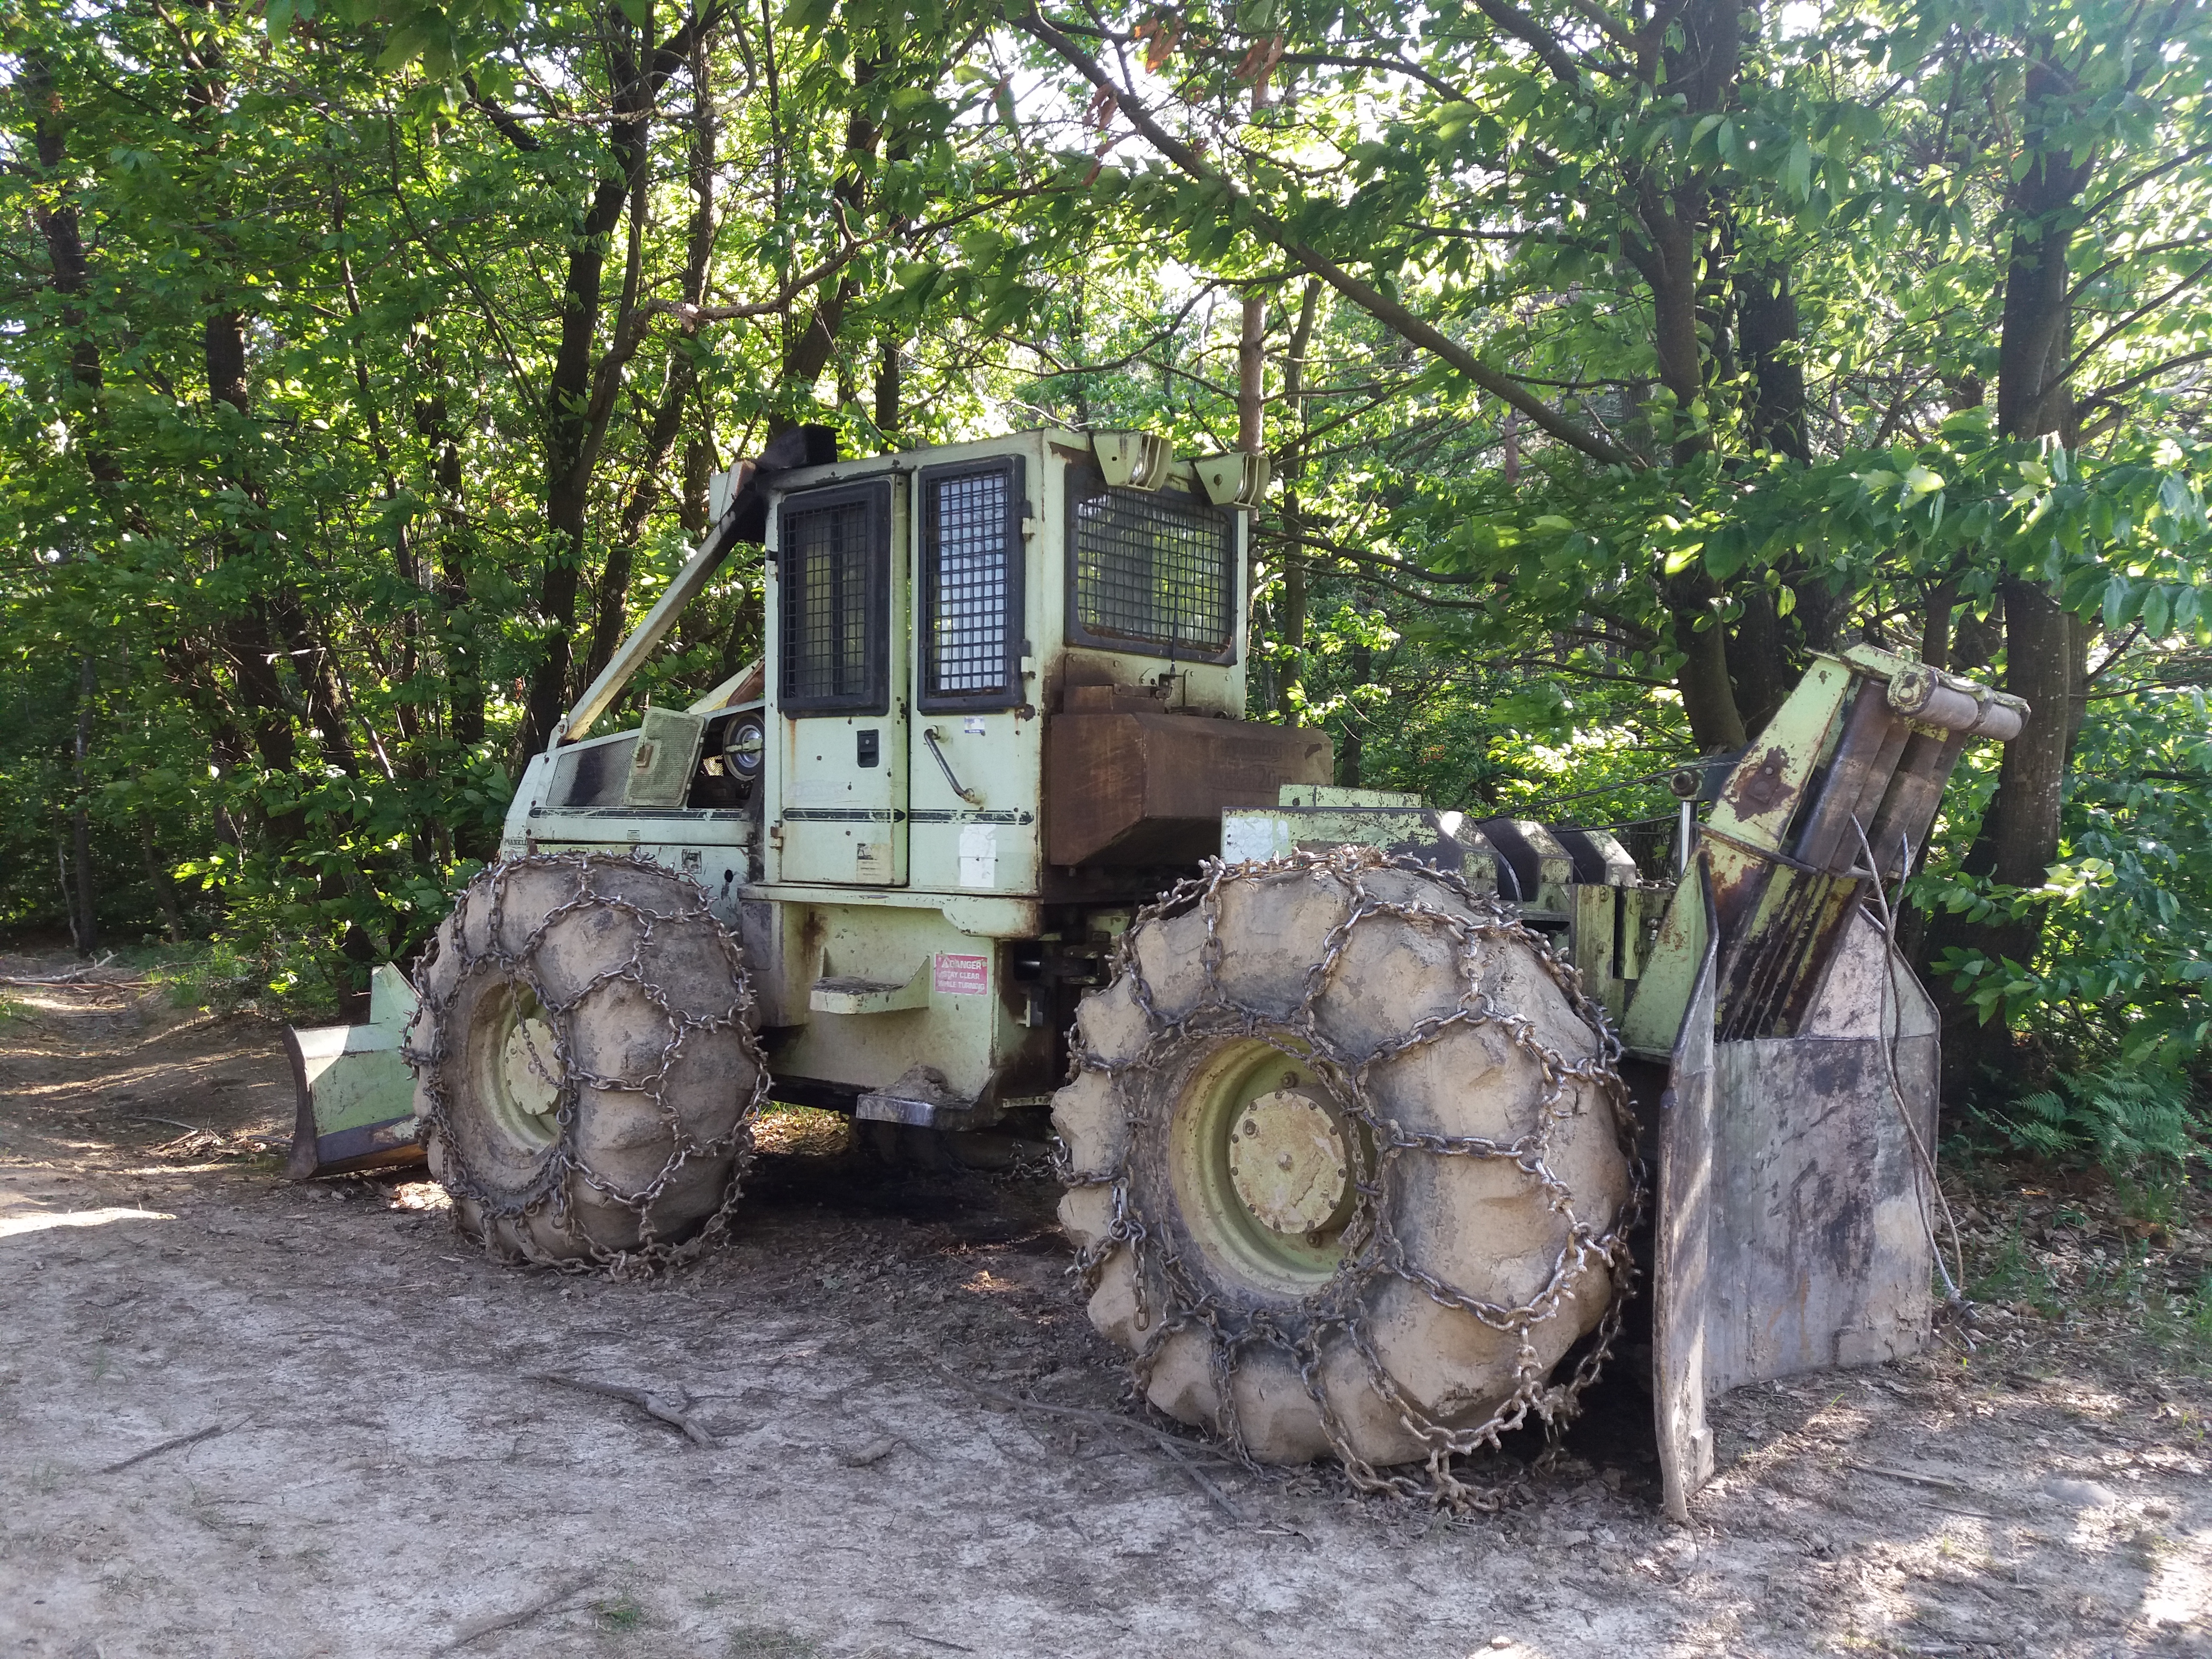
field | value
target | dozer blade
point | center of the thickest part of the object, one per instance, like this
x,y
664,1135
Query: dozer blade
x,y
1792,1230
356,1105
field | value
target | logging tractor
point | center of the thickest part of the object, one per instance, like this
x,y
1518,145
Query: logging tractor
x,y
1379,1120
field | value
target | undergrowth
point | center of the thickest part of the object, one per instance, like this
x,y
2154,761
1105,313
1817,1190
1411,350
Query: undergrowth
x,y
220,977
2127,1255
2133,1123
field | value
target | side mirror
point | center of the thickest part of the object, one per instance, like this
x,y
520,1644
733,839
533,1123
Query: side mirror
x,y
1235,478
1132,460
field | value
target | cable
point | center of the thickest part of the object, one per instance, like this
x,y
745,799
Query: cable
x,y
1954,1298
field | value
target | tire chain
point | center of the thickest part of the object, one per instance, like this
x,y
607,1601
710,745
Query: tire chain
x,y
1372,1249
550,1188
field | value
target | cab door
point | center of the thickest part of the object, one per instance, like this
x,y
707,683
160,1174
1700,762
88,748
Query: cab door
x,y
841,631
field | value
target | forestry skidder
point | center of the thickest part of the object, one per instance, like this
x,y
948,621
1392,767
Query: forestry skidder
x,y
1361,1090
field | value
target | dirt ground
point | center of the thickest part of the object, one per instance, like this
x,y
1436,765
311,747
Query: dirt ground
x,y
239,1417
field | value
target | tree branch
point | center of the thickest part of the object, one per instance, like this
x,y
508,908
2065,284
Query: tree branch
x,y
2126,322
1387,65
1377,305
1535,36
2144,177
508,125
2113,393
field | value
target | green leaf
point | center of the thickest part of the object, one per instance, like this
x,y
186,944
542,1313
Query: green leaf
x,y
2157,610
403,47
1797,171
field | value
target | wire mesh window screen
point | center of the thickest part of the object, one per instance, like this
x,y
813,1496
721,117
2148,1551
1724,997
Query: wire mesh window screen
x,y
973,585
1152,572
831,642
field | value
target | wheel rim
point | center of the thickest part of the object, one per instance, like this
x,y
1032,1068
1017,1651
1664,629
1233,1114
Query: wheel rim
x,y
517,1071
1263,1163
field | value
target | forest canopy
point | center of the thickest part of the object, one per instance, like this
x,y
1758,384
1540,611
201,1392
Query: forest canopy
x,y
363,366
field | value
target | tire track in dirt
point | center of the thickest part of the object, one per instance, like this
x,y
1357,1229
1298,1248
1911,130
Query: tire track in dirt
x,y
388,1478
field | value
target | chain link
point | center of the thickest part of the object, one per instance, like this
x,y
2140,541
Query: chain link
x,y
453,963
1372,1252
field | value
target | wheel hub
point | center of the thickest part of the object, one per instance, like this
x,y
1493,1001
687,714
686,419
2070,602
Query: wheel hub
x,y
520,1073
1289,1163
525,1064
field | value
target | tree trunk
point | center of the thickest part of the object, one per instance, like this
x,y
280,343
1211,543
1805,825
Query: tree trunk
x,y
56,216
887,390
1766,329
1758,660
1762,659
1290,671
810,352
575,417
1935,622
464,690
580,392
1351,754
676,380
164,892
698,474
247,639
568,476
1708,698
84,918
2045,648
1676,220
1251,375
1252,429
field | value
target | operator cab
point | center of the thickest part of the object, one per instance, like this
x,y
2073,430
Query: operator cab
x,y
1012,668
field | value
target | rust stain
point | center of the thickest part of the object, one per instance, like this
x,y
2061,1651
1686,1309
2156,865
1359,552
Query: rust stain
x,y
1765,789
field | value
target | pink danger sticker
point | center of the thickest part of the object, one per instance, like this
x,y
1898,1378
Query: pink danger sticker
x,y
962,976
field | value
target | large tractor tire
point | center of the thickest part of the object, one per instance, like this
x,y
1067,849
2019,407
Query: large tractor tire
x,y
585,1068
1349,1166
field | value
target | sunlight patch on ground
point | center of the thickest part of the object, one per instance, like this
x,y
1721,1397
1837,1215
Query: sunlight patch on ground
x,y
10,1225
222,1166
802,1131
2181,1591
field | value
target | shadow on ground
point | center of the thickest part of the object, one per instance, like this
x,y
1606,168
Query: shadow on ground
x,y
239,1417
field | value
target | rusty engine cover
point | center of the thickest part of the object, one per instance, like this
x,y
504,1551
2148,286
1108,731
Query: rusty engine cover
x,y
1145,788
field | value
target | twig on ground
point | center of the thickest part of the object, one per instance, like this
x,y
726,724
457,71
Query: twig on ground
x,y
172,1444
1937,1482
933,1641
75,980
175,1123
1181,1459
667,1409
484,1625
1178,1451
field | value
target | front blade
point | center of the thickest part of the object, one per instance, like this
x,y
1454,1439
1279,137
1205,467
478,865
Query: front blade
x,y
357,1096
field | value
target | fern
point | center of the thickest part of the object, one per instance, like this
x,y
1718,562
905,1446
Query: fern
x,y
2125,1121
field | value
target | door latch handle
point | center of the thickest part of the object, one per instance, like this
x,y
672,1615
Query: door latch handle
x,y
930,735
